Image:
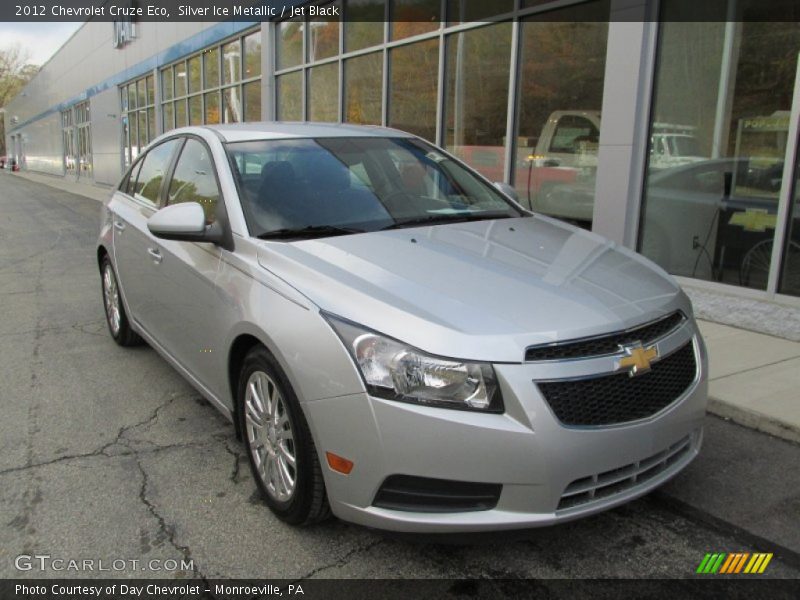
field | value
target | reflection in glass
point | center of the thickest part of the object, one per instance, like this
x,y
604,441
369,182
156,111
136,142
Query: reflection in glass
x,y
413,83
252,55
151,92
562,66
141,93
168,112
252,101
364,22
289,44
167,83
194,74
323,36
196,110
180,79
289,91
718,140
180,113
232,62
790,273
412,17
463,11
323,93
363,77
476,97
212,108
232,105
211,68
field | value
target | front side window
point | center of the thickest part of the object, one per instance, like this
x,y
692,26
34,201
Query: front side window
x,y
151,173
325,186
194,179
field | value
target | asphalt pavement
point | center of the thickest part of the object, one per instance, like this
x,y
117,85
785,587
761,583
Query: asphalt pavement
x,y
107,453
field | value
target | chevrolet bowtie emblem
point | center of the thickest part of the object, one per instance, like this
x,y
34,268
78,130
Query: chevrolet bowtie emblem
x,y
637,359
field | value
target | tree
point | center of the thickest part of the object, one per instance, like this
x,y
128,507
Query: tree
x,y
15,72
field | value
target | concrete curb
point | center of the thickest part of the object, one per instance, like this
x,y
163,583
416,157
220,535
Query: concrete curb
x,y
754,420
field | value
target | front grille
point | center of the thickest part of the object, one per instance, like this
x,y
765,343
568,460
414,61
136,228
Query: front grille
x,y
619,398
423,494
609,483
606,344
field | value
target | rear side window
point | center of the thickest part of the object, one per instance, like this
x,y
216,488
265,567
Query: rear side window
x,y
152,172
194,179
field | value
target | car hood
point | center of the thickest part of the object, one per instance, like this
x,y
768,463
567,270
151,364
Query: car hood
x,y
480,290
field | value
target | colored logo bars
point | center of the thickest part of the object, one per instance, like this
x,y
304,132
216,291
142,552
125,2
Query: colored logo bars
x,y
723,563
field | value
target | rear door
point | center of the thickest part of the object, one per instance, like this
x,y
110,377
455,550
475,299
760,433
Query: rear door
x,y
136,251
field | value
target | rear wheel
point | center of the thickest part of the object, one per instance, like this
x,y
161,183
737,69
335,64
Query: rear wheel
x,y
118,325
282,454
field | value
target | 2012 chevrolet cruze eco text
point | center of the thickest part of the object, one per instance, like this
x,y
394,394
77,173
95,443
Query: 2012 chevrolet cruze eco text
x,y
396,340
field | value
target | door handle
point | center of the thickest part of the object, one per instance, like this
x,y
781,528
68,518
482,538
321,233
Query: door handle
x,y
155,254
119,225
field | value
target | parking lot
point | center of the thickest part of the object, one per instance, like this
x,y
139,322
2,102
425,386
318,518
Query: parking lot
x,y
107,453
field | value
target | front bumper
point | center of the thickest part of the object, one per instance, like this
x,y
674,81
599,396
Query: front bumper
x,y
538,461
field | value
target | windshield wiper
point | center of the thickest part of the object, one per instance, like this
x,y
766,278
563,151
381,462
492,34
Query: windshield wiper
x,y
311,231
446,218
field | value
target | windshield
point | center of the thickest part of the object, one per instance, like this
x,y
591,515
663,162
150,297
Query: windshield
x,y
333,186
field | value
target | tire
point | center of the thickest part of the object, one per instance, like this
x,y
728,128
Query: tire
x,y
117,320
283,458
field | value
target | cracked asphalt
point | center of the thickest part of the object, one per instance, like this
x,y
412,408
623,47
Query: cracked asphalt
x,y
107,453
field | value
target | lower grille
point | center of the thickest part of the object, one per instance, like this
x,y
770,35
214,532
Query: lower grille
x,y
609,483
422,494
619,398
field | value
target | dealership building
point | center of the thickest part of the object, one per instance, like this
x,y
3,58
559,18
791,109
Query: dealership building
x,y
670,127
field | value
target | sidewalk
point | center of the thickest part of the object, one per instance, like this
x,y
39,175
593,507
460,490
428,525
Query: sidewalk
x,y
754,377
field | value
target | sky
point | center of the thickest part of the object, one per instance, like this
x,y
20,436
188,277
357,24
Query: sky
x,y
39,40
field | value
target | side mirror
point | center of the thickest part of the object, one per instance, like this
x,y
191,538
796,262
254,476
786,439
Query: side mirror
x,y
184,222
507,190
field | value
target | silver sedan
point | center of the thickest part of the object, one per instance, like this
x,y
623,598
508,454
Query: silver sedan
x,y
394,338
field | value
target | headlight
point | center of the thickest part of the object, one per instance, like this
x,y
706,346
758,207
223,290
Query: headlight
x,y
396,371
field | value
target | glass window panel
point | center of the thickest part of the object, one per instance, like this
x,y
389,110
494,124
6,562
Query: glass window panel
x,y
151,124
180,79
252,101
477,70
180,113
142,118
789,282
212,108
289,91
363,77
141,93
194,180
562,66
363,26
232,104
414,76
717,156
168,112
323,36
123,99
412,17
289,44
252,55
153,170
462,11
211,68
323,93
232,62
151,91
167,84
132,96
195,110
194,74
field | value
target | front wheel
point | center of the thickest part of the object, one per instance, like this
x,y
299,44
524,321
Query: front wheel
x,y
283,458
118,325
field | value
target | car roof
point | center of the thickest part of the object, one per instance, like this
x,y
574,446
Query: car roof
x,y
241,132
